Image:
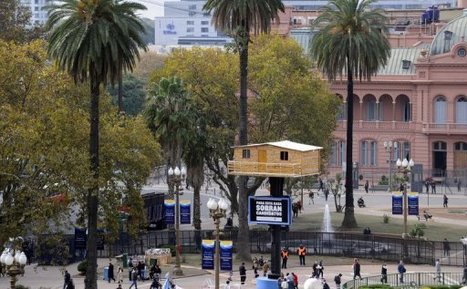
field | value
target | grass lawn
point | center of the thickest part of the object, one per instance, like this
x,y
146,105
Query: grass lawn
x,y
434,231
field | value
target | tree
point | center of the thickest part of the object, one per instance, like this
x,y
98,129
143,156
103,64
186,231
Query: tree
x,y
15,22
351,42
238,18
134,94
170,115
94,40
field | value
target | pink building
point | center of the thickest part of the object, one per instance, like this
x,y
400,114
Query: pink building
x,y
419,101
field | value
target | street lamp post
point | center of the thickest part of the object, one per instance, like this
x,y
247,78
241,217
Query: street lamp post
x,y
404,168
217,210
390,147
14,259
175,177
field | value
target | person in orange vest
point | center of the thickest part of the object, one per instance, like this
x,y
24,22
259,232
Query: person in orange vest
x,y
301,251
285,257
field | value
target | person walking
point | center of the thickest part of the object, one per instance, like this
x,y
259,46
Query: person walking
x,y
320,268
446,247
120,275
301,251
67,278
445,201
311,195
438,270
433,187
265,269
295,280
367,186
356,269
384,274
321,185
338,280
242,271
110,273
134,278
401,269
285,257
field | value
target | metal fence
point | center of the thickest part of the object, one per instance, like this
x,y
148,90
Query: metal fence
x,y
411,280
385,248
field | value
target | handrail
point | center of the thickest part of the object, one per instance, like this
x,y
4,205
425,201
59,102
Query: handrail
x,y
413,280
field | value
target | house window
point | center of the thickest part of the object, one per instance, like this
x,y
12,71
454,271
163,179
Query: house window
x,y
337,153
204,29
368,153
460,146
440,110
371,110
190,29
204,22
190,22
284,156
246,154
461,110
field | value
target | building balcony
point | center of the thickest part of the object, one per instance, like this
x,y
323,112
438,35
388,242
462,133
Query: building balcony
x,y
378,125
445,128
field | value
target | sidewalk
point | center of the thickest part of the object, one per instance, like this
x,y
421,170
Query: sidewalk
x,y
52,278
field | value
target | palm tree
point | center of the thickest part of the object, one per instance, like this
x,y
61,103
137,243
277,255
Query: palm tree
x,y
238,18
170,115
94,40
350,41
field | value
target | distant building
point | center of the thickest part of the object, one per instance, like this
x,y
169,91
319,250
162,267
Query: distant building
x,y
38,13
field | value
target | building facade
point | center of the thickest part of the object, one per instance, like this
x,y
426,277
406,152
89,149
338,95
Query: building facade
x,y
419,102
38,12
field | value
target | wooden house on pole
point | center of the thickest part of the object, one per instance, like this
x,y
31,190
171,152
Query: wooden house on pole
x,y
275,159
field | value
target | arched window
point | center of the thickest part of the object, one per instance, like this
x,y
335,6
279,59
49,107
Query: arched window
x,y
368,153
461,110
406,111
371,110
440,113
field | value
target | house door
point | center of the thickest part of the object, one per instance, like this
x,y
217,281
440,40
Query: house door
x,y
262,160
439,158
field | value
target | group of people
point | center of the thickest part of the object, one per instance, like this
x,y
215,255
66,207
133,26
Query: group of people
x,y
289,281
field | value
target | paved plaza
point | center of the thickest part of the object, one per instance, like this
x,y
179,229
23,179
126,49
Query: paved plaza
x,y
37,277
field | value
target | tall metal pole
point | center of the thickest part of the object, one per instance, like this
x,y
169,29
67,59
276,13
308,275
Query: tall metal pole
x,y
405,209
217,253
390,168
177,270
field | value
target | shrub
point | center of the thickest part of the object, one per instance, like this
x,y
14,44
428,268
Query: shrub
x,y
82,267
418,230
21,287
385,219
384,180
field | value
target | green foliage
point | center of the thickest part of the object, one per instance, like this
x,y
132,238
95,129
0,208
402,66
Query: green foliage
x,y
383,181
15,22
418,230
134,94
19,286
82,267
52,250
441,286
385,219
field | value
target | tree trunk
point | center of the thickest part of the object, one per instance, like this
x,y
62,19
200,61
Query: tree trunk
x,y
197,180
243,229
93,192
349,216
120,92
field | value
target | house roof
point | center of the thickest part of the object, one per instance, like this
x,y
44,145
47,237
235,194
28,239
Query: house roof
x,y
394,64
286,144
458,31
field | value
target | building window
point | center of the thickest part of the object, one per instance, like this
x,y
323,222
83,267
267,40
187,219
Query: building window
x,y
190,29
337,153
190,22
371,110
246,154
406,113
191,13
204,22
192,7
440,110
204,29
439,146
284,156
368,153
461,110
460,146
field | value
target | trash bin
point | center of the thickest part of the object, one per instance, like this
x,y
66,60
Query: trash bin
x,y
106,273
125,260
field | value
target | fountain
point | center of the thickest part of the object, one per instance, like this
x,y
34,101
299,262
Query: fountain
x,y
327,226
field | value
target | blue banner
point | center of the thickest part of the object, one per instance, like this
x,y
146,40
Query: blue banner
x,y
226,255
169,211
397,203
185,212
80,238
412,199
207,249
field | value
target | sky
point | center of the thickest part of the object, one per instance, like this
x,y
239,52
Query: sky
x,y
155,8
